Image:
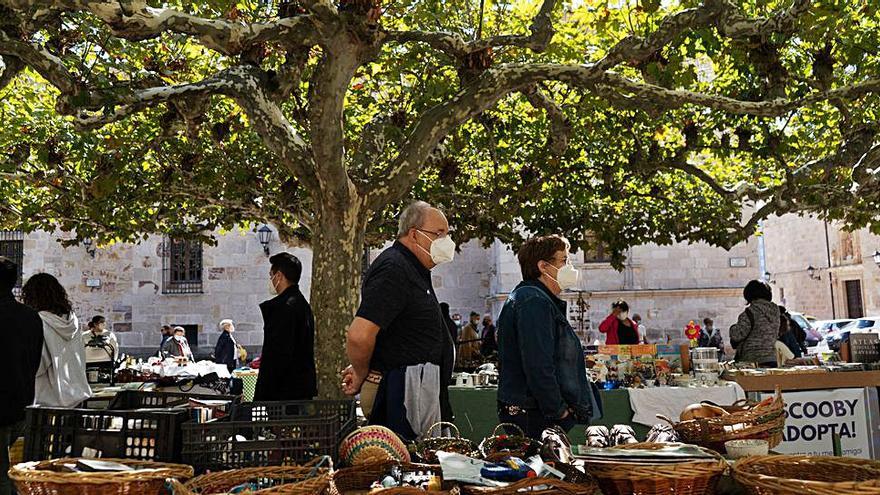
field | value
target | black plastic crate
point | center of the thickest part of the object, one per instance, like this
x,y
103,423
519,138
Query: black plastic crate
x,y
121,430
136,399
341,410
125,400
145,435
269,434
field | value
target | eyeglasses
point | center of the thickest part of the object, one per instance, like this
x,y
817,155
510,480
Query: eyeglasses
x,y
437,235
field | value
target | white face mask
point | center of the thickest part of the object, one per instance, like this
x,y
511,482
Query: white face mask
x,y
566,277
179,338
442,249
623,315
272,289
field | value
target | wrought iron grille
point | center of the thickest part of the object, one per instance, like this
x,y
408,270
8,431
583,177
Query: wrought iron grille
x,y
12,247
181,266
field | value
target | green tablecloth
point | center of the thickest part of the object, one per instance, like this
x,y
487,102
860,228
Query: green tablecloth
x,y
476,413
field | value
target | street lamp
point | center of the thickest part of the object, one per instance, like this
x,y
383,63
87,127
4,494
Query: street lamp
x,y
264,233
90,246
877,257
811,271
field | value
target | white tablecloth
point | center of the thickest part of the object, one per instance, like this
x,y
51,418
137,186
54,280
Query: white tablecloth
x,y
647,403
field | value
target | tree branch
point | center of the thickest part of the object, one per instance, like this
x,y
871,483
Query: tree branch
x,y
42,61
12,66
541,32
136,21
560,126
498,82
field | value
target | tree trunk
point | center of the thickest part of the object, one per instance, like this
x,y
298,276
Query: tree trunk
x,y
337,244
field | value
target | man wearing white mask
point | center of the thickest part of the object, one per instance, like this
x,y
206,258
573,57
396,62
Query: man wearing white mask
x,y
287,365
400,352
543,377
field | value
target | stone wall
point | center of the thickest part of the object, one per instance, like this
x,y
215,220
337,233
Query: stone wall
x,y
235,281
792,243
667,285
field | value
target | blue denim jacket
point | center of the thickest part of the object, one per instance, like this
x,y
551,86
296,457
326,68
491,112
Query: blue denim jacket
x,y
541,359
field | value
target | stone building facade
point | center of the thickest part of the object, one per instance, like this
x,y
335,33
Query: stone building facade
x,y
129,284
845,280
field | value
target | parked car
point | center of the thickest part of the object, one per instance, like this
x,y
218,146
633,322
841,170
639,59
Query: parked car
x,y
813,336
828,326
869,324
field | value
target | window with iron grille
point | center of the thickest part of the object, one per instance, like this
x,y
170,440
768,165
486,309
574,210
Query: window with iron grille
x,y
181,266
12,247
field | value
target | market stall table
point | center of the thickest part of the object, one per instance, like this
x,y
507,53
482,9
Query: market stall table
x,y
476,408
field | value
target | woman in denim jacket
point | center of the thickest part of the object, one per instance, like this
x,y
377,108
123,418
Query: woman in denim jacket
x,y
543,379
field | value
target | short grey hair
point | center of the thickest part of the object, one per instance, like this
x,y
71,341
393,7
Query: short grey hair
x,y
412,217
223,323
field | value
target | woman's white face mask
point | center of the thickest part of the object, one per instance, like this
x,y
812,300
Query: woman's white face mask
x,y
442,249
566,277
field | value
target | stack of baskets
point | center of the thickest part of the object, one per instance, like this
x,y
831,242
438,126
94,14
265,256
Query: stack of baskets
x,y
682,478
744,421
808,475
49,478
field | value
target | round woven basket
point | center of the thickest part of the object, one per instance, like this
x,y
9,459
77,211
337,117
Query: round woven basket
x,y
358,479
744,421
535,486
288,480
684,478
43,478
499,446
808,475
372,443
427,448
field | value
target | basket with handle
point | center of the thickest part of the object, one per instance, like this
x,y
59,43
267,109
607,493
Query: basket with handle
x,y
502,445
744,420
47,478
683,478
808,475
311,478
427,448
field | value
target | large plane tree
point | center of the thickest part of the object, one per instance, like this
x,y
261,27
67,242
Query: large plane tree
x,y
614,122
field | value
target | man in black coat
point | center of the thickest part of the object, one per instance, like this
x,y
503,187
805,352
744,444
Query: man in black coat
x,y
22,332
287,366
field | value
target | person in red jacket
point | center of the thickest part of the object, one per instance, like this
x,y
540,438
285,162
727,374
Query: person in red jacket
x,y
618,327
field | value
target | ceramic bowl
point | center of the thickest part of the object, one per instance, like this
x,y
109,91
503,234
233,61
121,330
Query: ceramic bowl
x,y
737,449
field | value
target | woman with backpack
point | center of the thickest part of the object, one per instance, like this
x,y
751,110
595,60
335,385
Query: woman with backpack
x,y
756,330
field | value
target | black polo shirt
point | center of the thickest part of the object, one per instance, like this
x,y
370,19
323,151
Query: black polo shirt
x,y
399,298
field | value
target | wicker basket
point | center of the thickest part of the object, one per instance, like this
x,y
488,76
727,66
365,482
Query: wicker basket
x,y
535,486
290,480
754,421
42,478
500,446
358,479
808,475
685,478
427,448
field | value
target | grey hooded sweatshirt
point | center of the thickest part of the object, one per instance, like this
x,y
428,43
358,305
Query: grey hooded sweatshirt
x,y
61,378
755,332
